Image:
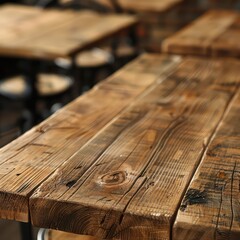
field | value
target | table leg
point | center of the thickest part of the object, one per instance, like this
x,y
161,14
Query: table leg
x,y
32,83
76,74
114,46
133,35
26,231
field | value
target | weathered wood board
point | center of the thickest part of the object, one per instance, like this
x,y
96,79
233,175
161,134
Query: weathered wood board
x,y
128,180
28,161
215,34
39,33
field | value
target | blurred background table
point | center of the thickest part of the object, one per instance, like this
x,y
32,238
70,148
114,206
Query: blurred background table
x,y
38,34
151,6
48,34
215,34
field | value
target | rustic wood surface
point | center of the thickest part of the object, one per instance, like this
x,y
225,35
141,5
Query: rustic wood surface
x,y
154,6
117,162
216,33
27,162
128,180
37,33
211,208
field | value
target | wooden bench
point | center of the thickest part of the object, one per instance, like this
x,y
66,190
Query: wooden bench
x,y
215,34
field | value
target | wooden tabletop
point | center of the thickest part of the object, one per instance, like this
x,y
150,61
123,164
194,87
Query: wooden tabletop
x,y
154,6
37,33
216,33
150,153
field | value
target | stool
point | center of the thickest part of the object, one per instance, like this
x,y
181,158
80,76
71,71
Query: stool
x,y
124,53
49,87
89,64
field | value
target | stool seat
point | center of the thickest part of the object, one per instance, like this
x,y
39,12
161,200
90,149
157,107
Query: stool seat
x,y
95,57
52,84
125,51
15,86
47,85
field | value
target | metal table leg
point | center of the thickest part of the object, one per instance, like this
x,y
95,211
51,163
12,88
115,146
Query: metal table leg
x,y
31,75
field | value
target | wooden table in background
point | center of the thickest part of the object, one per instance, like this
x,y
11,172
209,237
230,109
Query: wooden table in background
x,y
216,33
30,32
151,6
153,152
38,34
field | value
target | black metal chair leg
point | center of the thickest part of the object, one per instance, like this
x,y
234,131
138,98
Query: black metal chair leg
x,y
75,73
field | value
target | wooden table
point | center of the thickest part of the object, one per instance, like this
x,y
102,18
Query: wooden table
x,y
34,33
150,153
47,34
158,18
151,6
216,33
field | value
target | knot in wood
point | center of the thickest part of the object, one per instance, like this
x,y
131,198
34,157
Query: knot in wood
x,y
114,178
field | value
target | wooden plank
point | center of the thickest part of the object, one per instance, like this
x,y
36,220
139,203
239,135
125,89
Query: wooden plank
x,y
76,34
26,162
211,208
128,181
55,33
199,37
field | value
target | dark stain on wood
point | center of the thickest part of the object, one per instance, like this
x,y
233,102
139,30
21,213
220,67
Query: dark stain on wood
x,y
193,196
71,183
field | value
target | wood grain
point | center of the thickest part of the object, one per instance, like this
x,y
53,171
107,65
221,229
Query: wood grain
x,y
28,161
213,34
37,33
127,182
211,208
